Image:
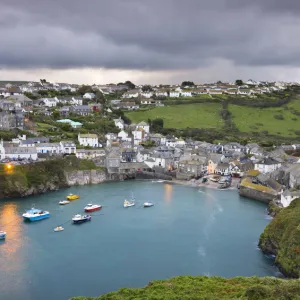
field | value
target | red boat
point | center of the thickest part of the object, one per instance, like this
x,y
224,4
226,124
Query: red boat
x,y
92,207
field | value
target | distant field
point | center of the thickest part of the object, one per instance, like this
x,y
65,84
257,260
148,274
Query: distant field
x,y
204,115
249,119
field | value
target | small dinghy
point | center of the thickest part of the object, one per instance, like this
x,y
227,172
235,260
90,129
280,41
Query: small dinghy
x,y
59,228
128,203
2,235
148,204
78,219
64,202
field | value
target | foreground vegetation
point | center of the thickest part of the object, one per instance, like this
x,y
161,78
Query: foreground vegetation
x,y
35,178
209,288
282,239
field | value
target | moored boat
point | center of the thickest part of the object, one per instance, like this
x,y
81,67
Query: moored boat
x,y
72,197
77,219
92,207
2,235
58,228
36,215
148,204
64,202
128,203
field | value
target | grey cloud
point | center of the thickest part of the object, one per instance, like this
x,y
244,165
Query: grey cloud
x,y
148,35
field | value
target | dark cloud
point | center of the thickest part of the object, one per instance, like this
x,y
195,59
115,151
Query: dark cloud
x,y
148,35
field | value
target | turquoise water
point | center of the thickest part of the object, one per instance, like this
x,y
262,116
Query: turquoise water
x,y
187,232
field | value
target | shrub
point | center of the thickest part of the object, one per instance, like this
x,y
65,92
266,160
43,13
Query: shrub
x,y
279,117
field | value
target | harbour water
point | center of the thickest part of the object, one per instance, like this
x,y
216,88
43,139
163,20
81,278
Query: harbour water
x,y
187,232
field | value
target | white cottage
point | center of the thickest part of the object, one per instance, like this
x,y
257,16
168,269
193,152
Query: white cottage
x,y
90,140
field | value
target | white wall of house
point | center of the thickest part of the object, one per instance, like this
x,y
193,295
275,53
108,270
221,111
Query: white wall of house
x,y
32,154
286,200
48,148
186,93
174,94
266,168
147,94
123,135
88,140
119,124
146,128
2,152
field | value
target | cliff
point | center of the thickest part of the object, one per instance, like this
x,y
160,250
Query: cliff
x,y
49,175
210,288
282,239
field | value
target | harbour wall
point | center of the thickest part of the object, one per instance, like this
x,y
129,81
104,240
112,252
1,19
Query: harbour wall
x,y
256,194
85,177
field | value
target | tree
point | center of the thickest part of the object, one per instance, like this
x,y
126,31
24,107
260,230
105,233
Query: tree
x,y
147,88
85,89
100,98
239,82
157,124
55,114
129,84
187,83
43,81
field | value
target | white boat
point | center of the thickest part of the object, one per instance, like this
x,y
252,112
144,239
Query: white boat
x,y
148,204
92,207
2,235
128,203
64,202
58,228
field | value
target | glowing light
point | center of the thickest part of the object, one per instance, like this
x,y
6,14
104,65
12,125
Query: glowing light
x,y
168,192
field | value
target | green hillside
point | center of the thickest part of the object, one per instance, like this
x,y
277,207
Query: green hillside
x,y
203,115
209,288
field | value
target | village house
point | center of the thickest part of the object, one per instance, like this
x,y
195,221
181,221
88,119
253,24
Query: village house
x,y
82,110
174,94
7,105
244,92
119,123
267,165
123,135
131,94
232,91
158,139
138,135
64,111
213,161
128,155
2,150
90,140
240,168
142,155
144,126
68,147
49,102
49,148
161,93
21,101
186,93
147,94
128,105
222,168
287,197
15,153
89,96
32,142
91,154
193,167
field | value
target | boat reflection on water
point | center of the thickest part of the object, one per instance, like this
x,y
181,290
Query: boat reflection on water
x,y
12,259
168,192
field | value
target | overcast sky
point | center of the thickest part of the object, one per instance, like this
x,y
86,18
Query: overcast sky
x,y
149,41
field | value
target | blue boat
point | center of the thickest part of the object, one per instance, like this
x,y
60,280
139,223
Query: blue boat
x,y
2,235
36,215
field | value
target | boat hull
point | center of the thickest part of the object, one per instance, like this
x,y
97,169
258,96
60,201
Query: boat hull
x,y
36,218
82,220
92,209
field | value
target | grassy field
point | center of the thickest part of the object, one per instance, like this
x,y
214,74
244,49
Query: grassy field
x,y
203,115
249,119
